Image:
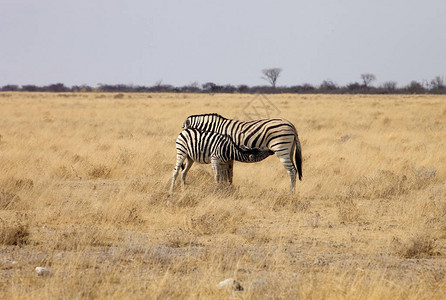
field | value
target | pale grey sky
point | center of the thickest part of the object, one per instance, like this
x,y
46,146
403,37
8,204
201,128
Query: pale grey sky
x,y
226,42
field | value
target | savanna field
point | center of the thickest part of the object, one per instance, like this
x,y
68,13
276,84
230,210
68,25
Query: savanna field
x,y
84,181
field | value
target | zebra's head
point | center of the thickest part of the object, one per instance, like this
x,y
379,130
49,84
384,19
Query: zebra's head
x,y
256,154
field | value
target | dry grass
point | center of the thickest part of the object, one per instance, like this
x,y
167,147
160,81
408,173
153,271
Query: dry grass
x,y
83,192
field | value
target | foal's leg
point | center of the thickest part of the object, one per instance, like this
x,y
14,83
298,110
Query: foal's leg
x,y
230,170
216,167
189,163
180,159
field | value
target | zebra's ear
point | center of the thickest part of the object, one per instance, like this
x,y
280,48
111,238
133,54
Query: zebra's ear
x,y
186,124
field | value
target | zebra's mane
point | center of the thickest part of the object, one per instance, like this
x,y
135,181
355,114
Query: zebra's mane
x,y
208,115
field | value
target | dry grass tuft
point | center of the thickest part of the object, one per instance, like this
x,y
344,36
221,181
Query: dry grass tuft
x,y
216,220
419,246
348,210
14,233
74,238
8,199
387,184
282,200
178,237
100,171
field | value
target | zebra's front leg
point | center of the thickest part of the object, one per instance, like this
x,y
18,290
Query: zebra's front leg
x,y
189,163
180,160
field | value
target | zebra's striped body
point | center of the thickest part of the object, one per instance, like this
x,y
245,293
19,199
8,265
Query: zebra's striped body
x,y
278,135
211,147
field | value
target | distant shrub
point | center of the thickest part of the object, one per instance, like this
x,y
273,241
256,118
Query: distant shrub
x,y
328,86
11,88
243,88
57,87
30,88
435,86
211,87
354,86
415,88
389,86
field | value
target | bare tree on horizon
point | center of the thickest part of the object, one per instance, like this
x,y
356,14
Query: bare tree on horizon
x,y
367,78
271,75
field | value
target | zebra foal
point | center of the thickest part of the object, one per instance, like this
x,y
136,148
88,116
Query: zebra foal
x,y
278,135
193,145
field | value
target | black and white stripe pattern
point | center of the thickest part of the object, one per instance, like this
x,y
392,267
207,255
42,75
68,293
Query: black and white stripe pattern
x,y
210,147
278,135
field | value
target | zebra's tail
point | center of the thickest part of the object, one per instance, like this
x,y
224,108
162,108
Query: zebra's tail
x,y
298,156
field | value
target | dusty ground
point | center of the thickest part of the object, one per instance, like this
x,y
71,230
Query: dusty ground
x,y
83,192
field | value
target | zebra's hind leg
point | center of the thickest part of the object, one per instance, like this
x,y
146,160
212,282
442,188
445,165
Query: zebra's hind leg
x,y
189,163
291,169
292,174
180,160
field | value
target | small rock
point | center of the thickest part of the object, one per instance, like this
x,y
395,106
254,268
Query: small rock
x,y
230,283
41,271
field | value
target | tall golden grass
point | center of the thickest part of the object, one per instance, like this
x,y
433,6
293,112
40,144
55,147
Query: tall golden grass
x,y
84,192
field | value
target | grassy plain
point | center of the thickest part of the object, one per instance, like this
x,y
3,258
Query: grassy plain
x,y
83,192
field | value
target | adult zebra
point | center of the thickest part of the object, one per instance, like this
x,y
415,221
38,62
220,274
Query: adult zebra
x,y
278,135
212,147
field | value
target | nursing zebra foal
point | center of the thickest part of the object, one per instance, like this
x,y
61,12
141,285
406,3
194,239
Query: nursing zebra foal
x,y
211,147
278,135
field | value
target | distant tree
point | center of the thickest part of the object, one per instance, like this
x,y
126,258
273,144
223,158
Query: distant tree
x,y
162,88
367,78
56,87
243,88
211,87
30,88
208,87
271,75
328,85
10,88
415,88
354,87
82,88
306,88
193,87
228,89
389,86
437,83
